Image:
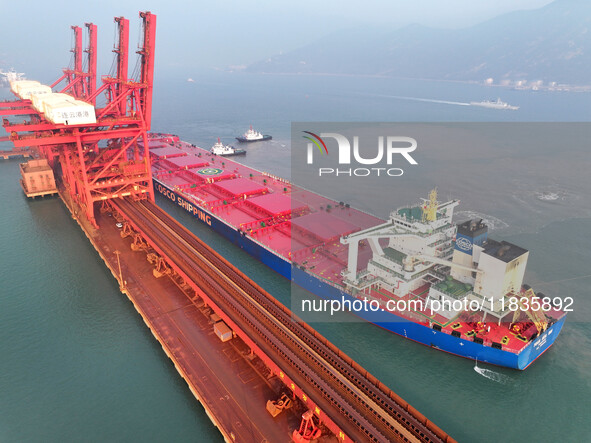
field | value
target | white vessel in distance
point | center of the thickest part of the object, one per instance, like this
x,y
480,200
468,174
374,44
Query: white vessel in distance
x,y
253,136
220,149
495,105
7,77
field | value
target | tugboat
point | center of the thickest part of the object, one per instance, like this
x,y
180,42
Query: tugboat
x,y
253,136
220,149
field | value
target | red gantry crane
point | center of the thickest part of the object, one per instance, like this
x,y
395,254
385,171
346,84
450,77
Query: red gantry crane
x,y
101,154
107,159
81,84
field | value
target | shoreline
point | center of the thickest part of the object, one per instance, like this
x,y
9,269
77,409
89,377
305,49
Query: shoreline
x,y
562,87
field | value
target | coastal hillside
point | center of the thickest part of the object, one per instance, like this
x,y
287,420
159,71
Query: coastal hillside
x,y
550,44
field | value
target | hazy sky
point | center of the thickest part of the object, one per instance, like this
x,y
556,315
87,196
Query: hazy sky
x,y
192,35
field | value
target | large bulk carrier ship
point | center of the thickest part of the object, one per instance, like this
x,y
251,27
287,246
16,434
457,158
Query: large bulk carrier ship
x,y
418,258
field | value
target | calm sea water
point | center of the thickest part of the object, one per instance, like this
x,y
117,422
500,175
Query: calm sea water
x,y
78,364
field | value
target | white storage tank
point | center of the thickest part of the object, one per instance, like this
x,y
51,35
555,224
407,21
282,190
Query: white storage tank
x,y
53,110
25,92
70,113
38,100
53,99
17,84
85,113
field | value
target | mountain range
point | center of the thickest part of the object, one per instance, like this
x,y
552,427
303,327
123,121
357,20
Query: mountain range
x,y
550,44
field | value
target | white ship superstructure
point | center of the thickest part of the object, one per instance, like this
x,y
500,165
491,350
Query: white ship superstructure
x,y
424,246
220,149
419,244
251,134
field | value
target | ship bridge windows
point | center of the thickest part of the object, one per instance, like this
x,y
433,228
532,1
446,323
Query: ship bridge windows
x,y
412,213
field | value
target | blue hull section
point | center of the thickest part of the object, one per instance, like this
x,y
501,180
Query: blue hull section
x,y
255,249
430,337
389,321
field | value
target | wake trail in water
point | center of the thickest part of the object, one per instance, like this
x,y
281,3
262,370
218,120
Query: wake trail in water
x,y
493,375
427,100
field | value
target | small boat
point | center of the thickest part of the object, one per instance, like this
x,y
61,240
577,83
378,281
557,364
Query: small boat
x,y
495,105
220,149
253,136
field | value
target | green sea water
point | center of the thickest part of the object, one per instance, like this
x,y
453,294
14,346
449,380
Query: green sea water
x,y
78,364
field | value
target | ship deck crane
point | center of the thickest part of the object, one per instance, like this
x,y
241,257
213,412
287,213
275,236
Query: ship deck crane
x,y
524,300
396,227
